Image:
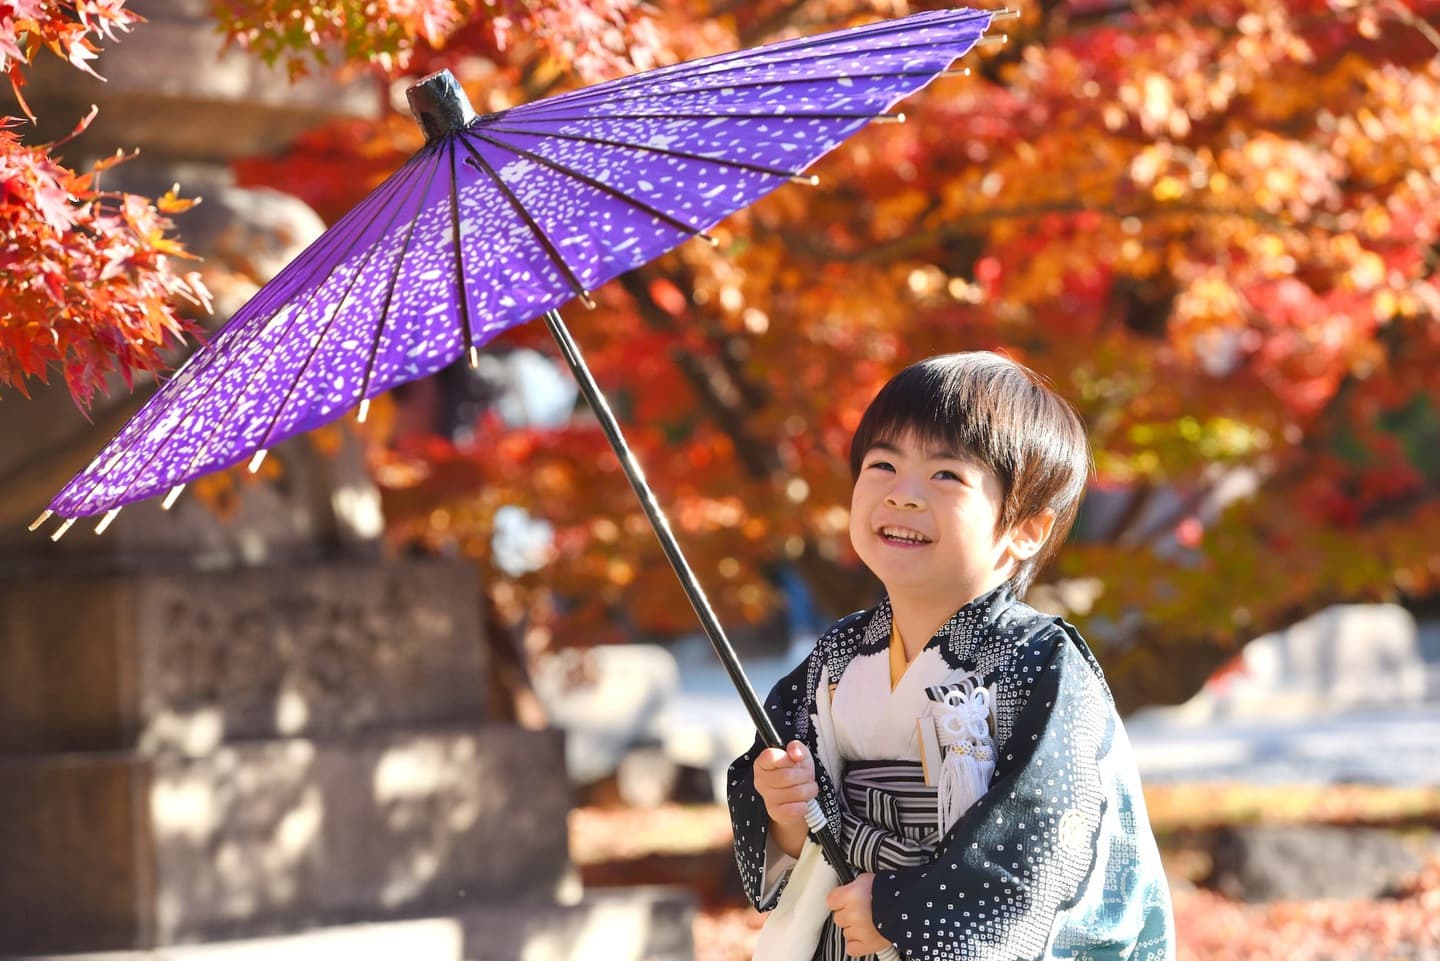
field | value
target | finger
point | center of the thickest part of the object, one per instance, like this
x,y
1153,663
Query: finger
x,y
790,793
783,790
797,752
787,777
859,943
772,759
789,805
841,898
793,803
794,794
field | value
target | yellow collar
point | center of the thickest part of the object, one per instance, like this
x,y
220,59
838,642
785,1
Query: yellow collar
x,y
898,662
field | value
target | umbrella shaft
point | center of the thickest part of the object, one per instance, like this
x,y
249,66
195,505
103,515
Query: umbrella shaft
x,y
661,525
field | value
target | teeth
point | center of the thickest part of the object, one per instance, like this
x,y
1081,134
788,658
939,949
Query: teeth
x,y
909,537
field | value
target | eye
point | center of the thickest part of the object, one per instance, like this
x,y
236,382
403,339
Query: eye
x,y
948,475
884,465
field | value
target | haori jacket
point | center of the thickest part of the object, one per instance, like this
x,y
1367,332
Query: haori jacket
x,y
1055,860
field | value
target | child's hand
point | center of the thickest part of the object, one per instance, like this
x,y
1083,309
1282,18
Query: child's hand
x,y
850,905
786,781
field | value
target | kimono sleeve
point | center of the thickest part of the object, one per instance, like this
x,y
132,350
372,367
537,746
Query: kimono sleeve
x,y
788,701
1023,854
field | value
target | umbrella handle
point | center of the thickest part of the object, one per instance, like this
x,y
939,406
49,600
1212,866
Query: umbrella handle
x,y
818,824
570,351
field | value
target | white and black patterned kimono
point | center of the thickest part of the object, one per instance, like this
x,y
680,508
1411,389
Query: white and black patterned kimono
x,y
1055,860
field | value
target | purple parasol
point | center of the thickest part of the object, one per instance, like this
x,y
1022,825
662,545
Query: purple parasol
x,y
501,218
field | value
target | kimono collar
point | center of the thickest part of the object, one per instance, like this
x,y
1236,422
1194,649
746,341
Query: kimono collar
x,y
958,638
868,632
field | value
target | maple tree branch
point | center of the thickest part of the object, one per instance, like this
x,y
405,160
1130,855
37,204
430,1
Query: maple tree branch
x,y
970,224
717,392
1406,16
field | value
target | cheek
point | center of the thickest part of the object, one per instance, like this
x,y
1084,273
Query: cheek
x,y
857,518
860,500
859,526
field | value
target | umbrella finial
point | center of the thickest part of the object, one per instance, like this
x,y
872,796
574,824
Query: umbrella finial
x,y
440,105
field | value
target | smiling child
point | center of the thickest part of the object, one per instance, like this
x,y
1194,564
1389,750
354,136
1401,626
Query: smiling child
x,y
966,743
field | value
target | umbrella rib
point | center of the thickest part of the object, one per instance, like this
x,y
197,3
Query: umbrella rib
x,y
775,82
143,426
590,181
460,295
716,115
366,257
155,408
301,263
94,472
664,151
390,293
681,88
550,249
812,46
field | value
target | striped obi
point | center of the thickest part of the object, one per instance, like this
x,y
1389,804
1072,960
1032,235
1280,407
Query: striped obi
x,y
890,822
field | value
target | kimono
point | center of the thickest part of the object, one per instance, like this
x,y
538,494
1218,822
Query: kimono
x,y
1054,860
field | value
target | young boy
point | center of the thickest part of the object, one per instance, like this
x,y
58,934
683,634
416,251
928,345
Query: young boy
x,y
965,744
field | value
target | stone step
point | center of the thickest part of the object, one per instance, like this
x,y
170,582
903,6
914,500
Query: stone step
x,y
621,924
119,851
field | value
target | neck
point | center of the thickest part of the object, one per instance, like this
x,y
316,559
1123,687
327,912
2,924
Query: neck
x,y
918,623
917,619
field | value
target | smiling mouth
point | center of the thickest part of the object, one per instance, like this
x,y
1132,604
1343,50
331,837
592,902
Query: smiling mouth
x,y
902,535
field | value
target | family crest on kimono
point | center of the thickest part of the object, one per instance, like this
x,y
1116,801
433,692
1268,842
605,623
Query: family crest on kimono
x,y
966,744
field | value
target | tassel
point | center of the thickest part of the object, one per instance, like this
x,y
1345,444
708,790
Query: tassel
x,y
963,725
964,777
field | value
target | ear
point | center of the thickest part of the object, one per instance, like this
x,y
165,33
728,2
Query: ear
x,y
1029,535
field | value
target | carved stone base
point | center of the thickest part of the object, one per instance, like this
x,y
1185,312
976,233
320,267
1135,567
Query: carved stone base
x,y
116,851
182,663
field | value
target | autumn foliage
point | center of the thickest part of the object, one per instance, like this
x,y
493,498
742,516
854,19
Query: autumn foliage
x,y
91,286
393,37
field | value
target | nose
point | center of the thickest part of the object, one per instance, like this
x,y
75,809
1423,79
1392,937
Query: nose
x,y
905,497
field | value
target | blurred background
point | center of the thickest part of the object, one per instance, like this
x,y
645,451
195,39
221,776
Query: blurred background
x,y
425,688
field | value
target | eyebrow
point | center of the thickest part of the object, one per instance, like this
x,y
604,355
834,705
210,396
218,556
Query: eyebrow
x,y
942,454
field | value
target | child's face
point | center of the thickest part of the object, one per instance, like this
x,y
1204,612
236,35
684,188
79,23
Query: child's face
x,y
924,521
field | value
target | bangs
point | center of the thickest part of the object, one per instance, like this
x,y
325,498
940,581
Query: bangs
x,y
941,407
